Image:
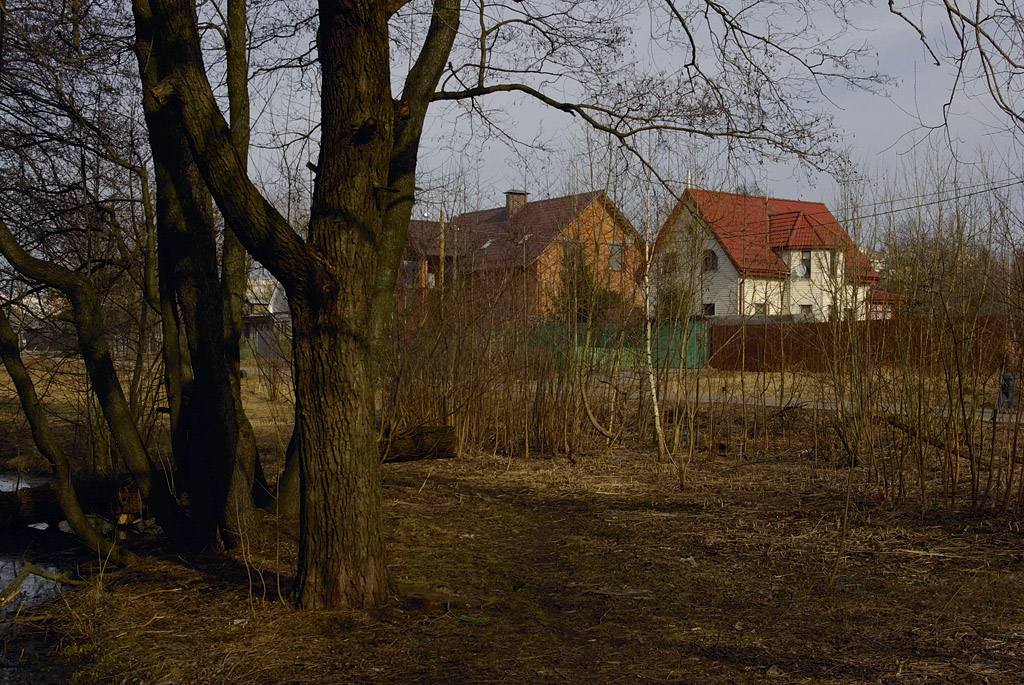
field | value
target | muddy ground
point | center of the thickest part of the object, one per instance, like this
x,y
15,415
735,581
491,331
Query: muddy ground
x,y
512,570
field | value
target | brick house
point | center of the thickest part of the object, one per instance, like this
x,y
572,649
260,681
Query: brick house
x,y
742,255
517,254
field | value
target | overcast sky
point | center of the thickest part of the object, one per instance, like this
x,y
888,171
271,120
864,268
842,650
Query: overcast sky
x,y
880,131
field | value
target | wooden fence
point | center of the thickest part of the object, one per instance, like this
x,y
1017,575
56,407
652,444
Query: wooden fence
x,y
841,345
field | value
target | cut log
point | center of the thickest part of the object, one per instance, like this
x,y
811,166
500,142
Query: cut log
x,y
419,442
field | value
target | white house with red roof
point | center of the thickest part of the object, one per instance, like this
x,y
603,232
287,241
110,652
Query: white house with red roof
x,y
744,255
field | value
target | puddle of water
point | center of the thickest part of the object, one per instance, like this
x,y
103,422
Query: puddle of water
x,y
46,552
27,654
25,657
9,482
34,590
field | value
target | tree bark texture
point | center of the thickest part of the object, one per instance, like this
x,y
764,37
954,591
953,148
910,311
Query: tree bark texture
x,y
340,280
214,455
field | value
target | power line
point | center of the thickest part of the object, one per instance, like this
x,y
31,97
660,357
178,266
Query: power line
x,y
979,189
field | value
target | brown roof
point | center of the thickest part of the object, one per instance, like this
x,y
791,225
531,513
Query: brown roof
x,y
754,229
424,238
492,239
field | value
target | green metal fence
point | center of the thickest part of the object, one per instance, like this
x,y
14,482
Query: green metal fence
x,y
673,345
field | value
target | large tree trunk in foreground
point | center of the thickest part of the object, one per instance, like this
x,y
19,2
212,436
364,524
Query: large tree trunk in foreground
x,y
340,280
215,451
341,549
338,323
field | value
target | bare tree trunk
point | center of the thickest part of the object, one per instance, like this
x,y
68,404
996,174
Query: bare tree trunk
x,y
234,274
340,280
49,447
215,456
341,551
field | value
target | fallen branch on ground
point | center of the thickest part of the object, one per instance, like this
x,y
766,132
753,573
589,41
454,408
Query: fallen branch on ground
x,y
29,569
419,442
927,439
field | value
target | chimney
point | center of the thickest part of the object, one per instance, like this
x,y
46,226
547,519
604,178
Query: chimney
x,y
514,201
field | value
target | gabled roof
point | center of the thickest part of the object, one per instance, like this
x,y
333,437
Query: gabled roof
x,y
493,239
754,229
878,296
424,238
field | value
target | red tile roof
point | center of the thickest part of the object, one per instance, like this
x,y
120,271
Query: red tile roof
x,y
754,229
878,296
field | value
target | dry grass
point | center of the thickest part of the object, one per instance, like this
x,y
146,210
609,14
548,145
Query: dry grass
x,y
528,570
510,569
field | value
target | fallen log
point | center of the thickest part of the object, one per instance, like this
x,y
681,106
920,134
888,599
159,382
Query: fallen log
x,y
419,442
39,504
99,495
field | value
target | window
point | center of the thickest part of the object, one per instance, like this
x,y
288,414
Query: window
x,y
410,272
709,309
616,252
760,309
806,311
432,265
805,264
833,264
710,261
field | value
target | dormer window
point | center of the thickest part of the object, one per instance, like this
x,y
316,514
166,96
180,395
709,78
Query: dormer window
x,y
710,264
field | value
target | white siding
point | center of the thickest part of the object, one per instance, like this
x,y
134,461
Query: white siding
x,y
824,290
685,242
770,292
679,264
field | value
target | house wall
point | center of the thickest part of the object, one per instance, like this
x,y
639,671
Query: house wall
x,y
678,265
817,291
823,290
597,232
547,275
772,292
